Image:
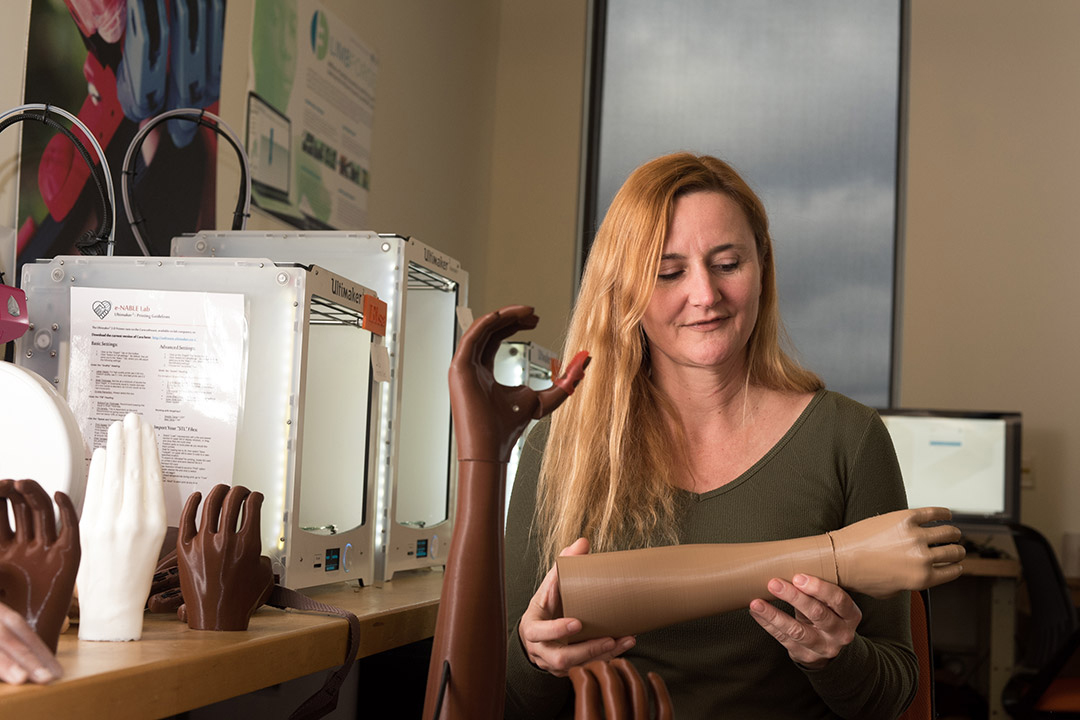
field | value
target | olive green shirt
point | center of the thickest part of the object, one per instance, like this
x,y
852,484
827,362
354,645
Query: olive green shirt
x,y
836,465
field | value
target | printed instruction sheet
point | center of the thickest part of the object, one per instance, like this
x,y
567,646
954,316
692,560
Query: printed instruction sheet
x,y
176,358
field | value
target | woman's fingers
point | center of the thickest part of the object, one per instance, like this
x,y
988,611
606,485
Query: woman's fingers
x,y
825,621
23,655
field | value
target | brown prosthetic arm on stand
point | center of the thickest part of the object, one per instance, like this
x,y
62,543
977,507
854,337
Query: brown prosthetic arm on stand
x,y
468,660
630,592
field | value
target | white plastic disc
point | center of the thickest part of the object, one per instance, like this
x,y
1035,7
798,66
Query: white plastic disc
x,y
39,436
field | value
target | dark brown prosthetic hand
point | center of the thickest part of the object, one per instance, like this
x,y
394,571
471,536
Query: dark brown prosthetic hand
x,y
489,417
468,661
165,594
38,564
223,575
614,690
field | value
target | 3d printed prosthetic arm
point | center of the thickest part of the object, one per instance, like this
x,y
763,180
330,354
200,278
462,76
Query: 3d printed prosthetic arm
x,y
625,593
468,661
223,573
38,563
122,527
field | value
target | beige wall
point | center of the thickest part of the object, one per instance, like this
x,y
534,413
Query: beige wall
x,y
990,302
537,152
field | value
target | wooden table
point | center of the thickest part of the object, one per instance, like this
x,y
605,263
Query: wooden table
x,y
174,668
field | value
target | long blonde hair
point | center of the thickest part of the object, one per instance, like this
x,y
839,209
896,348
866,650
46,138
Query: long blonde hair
x,y
608,470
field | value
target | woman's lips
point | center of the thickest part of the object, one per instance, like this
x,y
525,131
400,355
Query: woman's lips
x,y
708,324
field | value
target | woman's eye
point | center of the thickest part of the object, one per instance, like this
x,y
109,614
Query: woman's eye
x,y
668,276
727,266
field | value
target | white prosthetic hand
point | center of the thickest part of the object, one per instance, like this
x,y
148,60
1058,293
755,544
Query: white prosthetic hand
x,y
122,527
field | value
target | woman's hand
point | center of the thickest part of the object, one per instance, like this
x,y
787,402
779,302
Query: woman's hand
x,y
23,655
824,622
546,636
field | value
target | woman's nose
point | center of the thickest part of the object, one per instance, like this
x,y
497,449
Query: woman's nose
x,y
703,290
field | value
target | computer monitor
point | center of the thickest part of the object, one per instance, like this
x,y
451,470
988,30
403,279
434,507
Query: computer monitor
x,y
966,461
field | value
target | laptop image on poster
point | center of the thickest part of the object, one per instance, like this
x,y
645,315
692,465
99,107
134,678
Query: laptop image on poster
x,y
269,141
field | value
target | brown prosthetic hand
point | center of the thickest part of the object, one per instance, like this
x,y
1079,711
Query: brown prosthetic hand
x,y
614,691
38,564
223,575
468,661
630,592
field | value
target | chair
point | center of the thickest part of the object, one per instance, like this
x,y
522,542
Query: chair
x,y
922,707
1038,689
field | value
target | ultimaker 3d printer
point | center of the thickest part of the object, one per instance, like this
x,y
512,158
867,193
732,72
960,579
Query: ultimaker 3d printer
x,y
423,289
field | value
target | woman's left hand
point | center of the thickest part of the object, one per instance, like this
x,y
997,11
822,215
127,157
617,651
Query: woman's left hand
x,y
824,622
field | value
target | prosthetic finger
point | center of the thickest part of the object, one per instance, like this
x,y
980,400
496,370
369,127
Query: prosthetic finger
x,y
611,689
23,532
587,702
635,688
563,387
211,514
187,529
511,320
230,513
69,520
661,697
7,533
43,524
249,529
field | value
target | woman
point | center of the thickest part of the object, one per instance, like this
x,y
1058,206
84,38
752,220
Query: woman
x,y
694,426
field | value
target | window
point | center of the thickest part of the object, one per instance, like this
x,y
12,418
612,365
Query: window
x,y
803,98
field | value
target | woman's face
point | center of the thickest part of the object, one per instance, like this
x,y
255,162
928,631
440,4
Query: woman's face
x,y
707,290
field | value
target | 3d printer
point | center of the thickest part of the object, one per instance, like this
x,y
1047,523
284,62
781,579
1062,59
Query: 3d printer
x,y
252,373
423,290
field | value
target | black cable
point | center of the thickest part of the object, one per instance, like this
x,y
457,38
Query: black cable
x,y
199,119
89,243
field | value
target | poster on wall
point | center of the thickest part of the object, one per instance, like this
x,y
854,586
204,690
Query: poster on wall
x,y
310,104
116,65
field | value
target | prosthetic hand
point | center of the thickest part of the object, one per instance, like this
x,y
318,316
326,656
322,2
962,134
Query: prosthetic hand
x,y
37,563
614,690
625,593
122,526
223,575
489,417
470,633
23,656
165,594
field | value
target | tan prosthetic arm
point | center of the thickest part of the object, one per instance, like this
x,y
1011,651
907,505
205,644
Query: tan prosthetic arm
x,y
630,592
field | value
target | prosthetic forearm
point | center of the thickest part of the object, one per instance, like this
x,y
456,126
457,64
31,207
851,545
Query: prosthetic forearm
x,y
467,671
630,592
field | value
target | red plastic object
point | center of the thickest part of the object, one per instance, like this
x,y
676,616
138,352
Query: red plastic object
x,y
14,320
62,174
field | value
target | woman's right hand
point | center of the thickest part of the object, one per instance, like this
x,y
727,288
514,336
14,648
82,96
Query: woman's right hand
x,y
547,636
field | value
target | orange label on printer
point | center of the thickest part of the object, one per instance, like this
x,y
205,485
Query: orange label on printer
x,y
374,315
